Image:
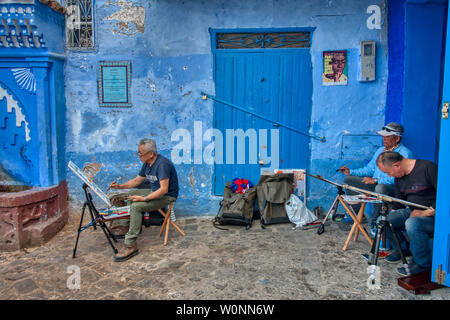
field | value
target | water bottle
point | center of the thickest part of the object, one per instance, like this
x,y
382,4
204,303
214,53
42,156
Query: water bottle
x,y
147,219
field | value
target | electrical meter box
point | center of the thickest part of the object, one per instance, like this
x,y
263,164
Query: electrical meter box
x,y
367,61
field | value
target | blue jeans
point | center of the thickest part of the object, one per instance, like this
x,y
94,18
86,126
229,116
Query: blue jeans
x,y
420,231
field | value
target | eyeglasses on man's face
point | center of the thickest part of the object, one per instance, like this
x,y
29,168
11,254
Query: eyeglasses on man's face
x,y
140,155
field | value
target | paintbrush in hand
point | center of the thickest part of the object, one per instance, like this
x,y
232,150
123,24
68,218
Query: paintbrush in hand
x,y
337,170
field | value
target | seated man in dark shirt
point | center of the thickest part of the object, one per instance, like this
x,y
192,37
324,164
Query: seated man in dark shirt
x,y
161,174
415,181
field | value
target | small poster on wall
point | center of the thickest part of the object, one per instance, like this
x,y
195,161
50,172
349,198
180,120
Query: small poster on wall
x,y
114,83
334,68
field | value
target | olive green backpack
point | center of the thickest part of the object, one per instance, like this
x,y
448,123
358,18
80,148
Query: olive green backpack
x,y
236,208
273,190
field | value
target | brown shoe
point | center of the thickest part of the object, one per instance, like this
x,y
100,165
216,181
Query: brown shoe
x,y
119,232
126,252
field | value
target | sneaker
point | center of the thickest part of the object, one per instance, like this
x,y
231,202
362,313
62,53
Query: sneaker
x,y
414,268
395,257
381,255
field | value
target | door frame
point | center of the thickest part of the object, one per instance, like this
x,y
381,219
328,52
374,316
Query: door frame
x,y
441,242
213,35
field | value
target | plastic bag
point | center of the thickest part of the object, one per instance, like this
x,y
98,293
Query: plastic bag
x,y
298,213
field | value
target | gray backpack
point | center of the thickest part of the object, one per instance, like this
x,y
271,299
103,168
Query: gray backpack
x,y
273,191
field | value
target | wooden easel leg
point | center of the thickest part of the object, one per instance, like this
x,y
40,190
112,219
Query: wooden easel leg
x,y
354,227
360,227
360,217
347,241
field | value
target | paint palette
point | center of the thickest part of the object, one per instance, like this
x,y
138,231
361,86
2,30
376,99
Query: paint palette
x,y
115,212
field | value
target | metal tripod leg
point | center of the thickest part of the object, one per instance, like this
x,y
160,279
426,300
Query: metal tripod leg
x,y
79,228
103,226
93,223
399,248
333,208
373,257
109,236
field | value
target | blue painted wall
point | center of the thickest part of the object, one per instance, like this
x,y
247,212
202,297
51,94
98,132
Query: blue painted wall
x,y
350,113
396,56
415,72
172,63
423,63
169,46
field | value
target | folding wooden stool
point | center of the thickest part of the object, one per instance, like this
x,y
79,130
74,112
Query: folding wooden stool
x,y
355,229
167,222
347,201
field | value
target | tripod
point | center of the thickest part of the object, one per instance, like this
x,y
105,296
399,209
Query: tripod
x,y
96,218
381,230
332,210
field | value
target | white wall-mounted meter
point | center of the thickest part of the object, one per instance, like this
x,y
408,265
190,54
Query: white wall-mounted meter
x,y
367,51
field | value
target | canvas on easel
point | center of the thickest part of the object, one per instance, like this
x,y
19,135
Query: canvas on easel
x,y
109,213
80,174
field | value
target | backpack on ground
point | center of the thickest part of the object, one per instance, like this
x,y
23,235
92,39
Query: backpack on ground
x,y
273,191
236,208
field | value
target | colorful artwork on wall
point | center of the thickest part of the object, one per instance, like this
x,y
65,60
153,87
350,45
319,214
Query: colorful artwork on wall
x,y
335,71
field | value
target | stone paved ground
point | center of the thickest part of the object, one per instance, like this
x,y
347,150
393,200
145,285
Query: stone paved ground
x,y
273,263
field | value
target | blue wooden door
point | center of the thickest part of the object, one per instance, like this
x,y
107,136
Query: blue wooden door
x,y
276,84
239,80
287,99
441,243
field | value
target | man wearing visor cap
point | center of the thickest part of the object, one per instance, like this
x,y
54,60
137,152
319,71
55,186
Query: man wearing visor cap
x,y
370,177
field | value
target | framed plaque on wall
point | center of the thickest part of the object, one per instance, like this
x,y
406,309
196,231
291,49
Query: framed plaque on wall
x,y
114,84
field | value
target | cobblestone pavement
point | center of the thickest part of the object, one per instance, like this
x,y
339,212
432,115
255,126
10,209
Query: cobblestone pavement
x,y
276,263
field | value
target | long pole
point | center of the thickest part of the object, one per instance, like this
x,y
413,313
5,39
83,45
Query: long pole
x,y
379,196
205,95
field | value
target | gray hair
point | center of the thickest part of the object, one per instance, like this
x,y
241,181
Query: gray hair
x,y
388,158
150,145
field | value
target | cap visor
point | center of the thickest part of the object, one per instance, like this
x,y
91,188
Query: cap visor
x,y
385,133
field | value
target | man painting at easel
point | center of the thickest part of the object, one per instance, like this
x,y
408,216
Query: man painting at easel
x,y
370,177
163,178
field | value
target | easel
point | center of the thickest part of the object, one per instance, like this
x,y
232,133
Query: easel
x,y
96,218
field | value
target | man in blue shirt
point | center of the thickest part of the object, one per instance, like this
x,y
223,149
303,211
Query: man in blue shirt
x,y
370,177
161,174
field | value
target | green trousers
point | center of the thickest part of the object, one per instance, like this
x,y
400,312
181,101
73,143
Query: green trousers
x,y
134,224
